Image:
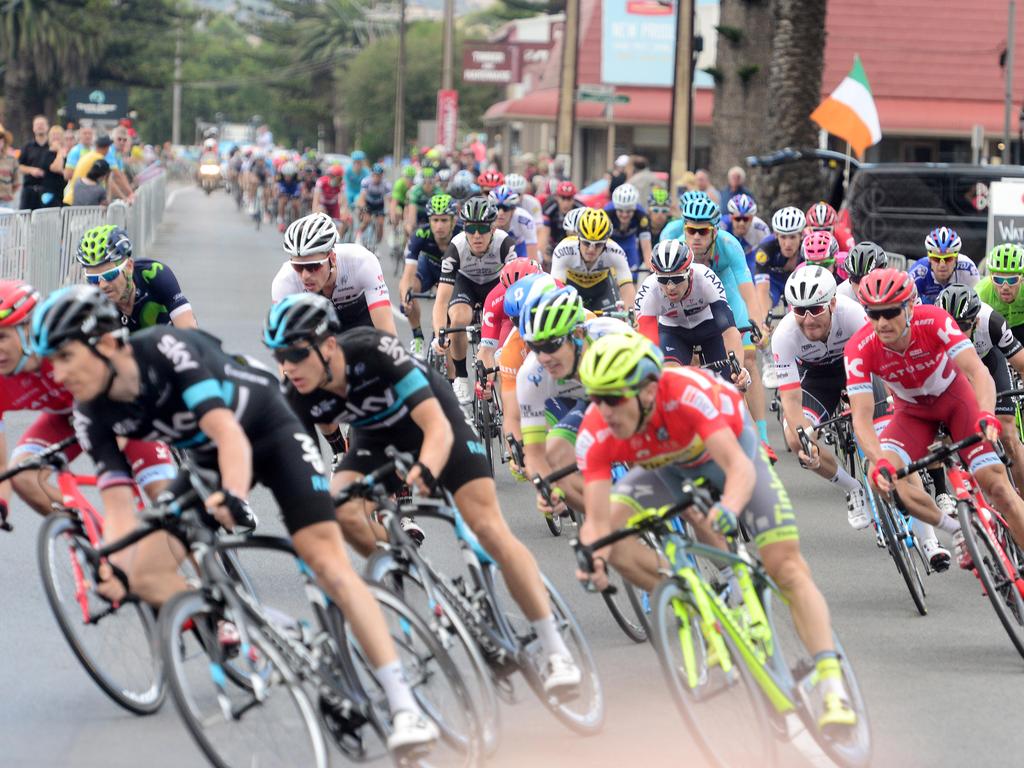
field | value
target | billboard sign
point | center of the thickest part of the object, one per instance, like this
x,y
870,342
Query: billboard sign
x,y
487,63
1005,203
97,104
447,118
638,42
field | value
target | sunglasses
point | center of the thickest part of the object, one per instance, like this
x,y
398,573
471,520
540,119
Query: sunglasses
x,y
506,207
696,230
941,256
609,399
817,309
107,277
590,244
673,279
742,218
546,347
1005,279
308,266
292,354
888,314
476,229
656,209
966,326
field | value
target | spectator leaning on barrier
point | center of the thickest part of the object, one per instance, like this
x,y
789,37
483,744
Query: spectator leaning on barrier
x,y
117,183
36,157
89,189
9,182
736,179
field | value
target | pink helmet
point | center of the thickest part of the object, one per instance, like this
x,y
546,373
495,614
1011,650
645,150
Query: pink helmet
x,y
819,248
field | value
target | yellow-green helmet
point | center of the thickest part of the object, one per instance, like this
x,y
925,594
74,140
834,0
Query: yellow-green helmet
x,y
620,363
551,314
103,244
1008,257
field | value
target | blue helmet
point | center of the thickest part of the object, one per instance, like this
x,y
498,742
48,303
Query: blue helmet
x,y
503,197
517,293
359,155
300,317
701,209
942,240
742,205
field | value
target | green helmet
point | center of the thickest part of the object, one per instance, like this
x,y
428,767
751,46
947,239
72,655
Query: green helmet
x,y
409,171
620,363
442,205
551,314
659,197
103,244
1008,257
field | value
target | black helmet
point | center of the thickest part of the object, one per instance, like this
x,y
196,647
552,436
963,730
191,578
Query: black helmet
x,y
864,257
300,317
478,210
76,313
961,302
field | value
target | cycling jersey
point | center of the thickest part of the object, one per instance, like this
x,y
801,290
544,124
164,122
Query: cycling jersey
x,y
793,352
535,387
510,359
523,230
419,197
495,323
553,218
354,182
928,289
384,385
703,301
532,206
423,245
774,268
33,391
1013,312
567,264
991,332
289,187
757,233
729,263
158,297
673,230
374,194
458,260
330,196
847,289
358,284
628,237
400,191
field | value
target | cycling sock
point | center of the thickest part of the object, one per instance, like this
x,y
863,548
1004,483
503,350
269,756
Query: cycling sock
x,y
845,480
922,530
460,368
938,476
417,332
396,687
550,639
762,428
949,524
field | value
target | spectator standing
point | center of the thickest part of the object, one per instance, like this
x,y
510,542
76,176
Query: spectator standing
x,y
643,178
33,162
618,173
9,182
54,181
89,189
736,179
704,185
86,139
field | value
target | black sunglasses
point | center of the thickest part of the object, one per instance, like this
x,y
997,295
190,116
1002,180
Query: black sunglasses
x,y
546,347
609,399
673,279
888,314
292,354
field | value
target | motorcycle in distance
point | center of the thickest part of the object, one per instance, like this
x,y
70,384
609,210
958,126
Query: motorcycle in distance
x,y
209,174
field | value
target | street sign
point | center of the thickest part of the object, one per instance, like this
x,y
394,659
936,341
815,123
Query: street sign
x,y
602,94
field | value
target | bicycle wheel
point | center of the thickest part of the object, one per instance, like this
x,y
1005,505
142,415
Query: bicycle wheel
x,y
435,681
116,646
897,546
1000,586
482,422
269,721
450,632
623,607
716,703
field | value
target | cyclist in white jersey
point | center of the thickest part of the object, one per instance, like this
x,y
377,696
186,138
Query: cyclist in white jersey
x,y
861,259
594,264
531,204
469,271
515,220
349,275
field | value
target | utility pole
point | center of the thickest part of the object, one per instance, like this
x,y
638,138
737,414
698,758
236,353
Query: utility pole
x,y
682,92
400,92
448,45
566,126
176,92
1011,35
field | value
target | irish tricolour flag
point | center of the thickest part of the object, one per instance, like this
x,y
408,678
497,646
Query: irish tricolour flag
x,y
850,113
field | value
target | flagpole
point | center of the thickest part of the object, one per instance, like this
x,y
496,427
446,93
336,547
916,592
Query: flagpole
x,y
846,170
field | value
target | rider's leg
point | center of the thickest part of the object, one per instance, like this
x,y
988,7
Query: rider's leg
x,y
996,486
459,314
755,395
1014,449
361,531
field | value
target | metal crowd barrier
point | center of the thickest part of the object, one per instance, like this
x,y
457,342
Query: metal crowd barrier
x,y
39,246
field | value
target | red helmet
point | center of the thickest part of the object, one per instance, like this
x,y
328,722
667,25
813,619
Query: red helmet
x,y
819,248
822,216
885,286
490,179
566,189
17,300
335,170
516,270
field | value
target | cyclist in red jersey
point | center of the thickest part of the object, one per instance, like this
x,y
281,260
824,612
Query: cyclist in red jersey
x,y
681,423
936,377
496,325
327,195
27,384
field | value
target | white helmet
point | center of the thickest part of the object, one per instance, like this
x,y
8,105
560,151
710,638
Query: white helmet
x,y
310,235
571,219
810,286
789,220
210,143
516,183
625,197
289,169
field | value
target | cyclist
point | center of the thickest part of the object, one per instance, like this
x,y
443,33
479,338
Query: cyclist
x,y
27,383
418,197
145,291
423,256
675,424
364,378
463,186
822,217
231,417
570,224
554,210
807,346
777,257
682,305
861,259
469,271
488,181
399,192
556,330
307,186
946,383
496,325
327,196
373,194
354,176
1000,289
944,265
348,274
745,225
289,195
631,228
518,184
997,347
819,248
515,220
594,264
659,209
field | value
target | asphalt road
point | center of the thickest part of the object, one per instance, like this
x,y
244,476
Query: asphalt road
x,y
935,686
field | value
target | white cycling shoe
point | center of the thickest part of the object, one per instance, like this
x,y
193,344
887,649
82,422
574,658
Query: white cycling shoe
x,y
561,674
938,556
946,504
411,730
463,391
857,509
